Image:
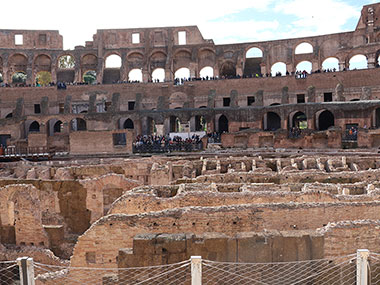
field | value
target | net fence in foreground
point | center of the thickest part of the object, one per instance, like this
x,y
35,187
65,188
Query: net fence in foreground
x,y
362,268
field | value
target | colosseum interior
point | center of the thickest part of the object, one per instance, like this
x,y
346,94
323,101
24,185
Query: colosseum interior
x,y
288,169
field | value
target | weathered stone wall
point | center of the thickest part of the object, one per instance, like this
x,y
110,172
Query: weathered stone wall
x,y
262,247
151,199
103,191
229,219
342,238
334,240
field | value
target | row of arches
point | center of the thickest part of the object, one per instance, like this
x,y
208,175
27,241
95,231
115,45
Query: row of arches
x,y
55,126
43,66
271,121
302,48
356,62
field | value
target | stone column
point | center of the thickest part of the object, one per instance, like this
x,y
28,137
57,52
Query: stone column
x,y
145,75
342,65
100,70
53,69
78,75
371,60
30,78
5,70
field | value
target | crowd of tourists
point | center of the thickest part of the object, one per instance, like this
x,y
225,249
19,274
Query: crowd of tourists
x,y
176,81
214,137
155,143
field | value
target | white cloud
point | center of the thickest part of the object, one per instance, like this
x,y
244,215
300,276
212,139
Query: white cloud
x,y
317,17
244,31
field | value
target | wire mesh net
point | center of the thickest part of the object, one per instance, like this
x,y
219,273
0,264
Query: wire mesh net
x,y
172,274
9,272
325,271
374,268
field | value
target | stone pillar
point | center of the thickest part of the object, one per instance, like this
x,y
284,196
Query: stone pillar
x,y
290,68
78,75
342,65
315,66
263,68
192,124
65,127
284,123
265,121
239,71
100,70
216,71
30,78
5,69
168,75
193,70
371,60
123,68
53,69
145,75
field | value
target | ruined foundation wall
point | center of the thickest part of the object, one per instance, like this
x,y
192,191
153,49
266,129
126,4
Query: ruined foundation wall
x,y
122,228
170,197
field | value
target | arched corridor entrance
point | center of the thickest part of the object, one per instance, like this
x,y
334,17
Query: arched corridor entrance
x,y
272,122
128,124
223,124
325,120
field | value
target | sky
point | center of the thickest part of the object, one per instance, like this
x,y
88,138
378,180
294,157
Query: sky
x,y
223,21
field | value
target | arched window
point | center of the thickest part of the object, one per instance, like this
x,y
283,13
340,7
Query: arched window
x,y
304,66
66,69
223,124
200,124
158,75
43,78
113,61
304,48
19,77
90,77
78,124
34,127
151,126
325,120
278,69
183,72
299,121
135,75
128,124
273,121
358,61
206,72
254,53
228,70
175,124
57,127
330,63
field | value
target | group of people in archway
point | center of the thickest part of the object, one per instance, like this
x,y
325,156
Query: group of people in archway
x,y
155,143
